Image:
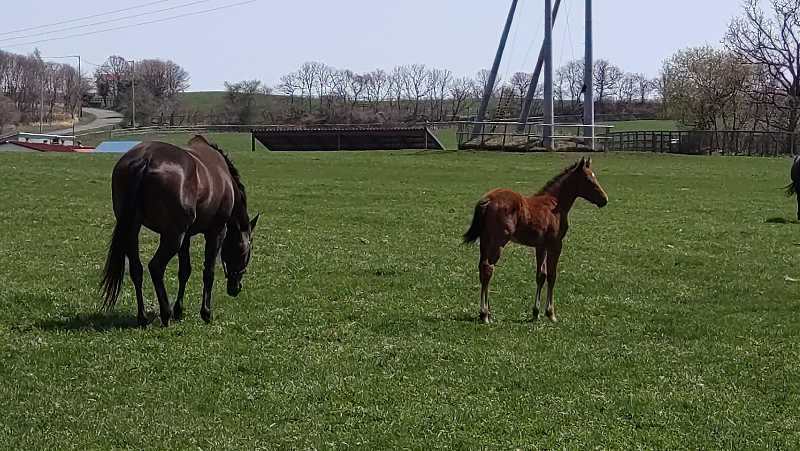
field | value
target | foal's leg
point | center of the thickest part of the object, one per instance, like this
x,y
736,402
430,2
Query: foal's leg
x,y
213,243
167,248
490,254
553,254
184,271
137,275
541,274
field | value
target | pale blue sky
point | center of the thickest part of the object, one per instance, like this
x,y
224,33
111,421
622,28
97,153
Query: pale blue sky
x,y
266,39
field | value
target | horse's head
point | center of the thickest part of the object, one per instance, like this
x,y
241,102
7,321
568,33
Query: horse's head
x,y
235,254
587,185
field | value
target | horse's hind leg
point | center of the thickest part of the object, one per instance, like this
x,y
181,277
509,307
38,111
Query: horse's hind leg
x,y
552,266
490,254
167,248
541,275
137,276
184,271
796,186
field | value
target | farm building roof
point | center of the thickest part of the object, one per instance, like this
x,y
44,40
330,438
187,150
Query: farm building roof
x,y
346,138
115,146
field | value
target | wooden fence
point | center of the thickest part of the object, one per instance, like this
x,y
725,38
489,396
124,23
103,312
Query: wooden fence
x,y
705,142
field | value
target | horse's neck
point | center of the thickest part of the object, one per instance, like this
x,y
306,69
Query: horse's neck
x,y
239,212
564,195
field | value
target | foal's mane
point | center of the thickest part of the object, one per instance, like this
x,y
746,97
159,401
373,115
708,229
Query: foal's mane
x,y
558,178
237,181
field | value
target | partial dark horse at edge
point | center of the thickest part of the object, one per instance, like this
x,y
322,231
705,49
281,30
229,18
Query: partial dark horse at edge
x,y
177,193
793,188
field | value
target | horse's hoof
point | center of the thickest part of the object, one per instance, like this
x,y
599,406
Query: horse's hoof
x,y
206,315
552,317
483,318
177,312
536,315
144,319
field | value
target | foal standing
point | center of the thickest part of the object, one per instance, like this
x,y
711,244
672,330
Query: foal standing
x,y
538,221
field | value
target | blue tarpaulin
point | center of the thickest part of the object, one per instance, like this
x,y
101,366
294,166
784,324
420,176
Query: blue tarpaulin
x,y
116,146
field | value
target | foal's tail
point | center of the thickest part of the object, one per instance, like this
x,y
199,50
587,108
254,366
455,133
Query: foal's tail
x,y
114,271
476,227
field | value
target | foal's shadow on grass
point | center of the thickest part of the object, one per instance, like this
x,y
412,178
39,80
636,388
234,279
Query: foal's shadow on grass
x,y
97,321
780,220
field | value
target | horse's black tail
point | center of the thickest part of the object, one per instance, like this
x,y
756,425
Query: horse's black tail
x,y
114,270
791,189
476,227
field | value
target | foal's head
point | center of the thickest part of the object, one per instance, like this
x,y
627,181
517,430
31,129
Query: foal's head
x,y
586,184
235,253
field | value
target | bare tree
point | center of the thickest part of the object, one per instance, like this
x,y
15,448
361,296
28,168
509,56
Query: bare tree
x,y
606,77
460,89
240,98
376,87
772,42
627,88
289,85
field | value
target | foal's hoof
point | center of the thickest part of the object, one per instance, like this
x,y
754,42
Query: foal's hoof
x,y
483,318
552,317
536,315
206,315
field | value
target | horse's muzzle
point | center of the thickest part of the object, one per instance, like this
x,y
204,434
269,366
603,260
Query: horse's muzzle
x,y
234,287
602,203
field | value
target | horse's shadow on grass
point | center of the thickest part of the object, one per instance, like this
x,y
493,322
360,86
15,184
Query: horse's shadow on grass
x,y
97,321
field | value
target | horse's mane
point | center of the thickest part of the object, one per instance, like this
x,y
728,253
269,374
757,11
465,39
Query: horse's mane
x,y
231,168
558,178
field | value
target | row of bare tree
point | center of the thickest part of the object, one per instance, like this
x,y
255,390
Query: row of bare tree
x,y
30,86
752,83
318,92
157,85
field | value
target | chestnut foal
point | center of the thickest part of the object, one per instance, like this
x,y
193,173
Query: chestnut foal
x,y
538,221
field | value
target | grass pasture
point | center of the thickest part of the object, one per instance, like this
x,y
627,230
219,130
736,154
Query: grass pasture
x,y
356,327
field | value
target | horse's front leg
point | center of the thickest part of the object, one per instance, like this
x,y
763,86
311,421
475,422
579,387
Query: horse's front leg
x,y
213,244
553,254
167,248
184,271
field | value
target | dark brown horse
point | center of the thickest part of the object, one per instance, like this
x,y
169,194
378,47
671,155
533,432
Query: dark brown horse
x,y
538,221
793,188
177,193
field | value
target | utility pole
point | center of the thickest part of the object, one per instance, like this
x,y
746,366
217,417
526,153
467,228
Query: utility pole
x,y
487,92
547,128
41,105
133,92
588,82
528,104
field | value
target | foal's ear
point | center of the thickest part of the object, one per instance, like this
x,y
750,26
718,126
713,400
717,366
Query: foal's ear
x,y
253,222
589,162
582,163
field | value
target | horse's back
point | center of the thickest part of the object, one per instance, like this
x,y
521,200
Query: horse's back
x,y
795,172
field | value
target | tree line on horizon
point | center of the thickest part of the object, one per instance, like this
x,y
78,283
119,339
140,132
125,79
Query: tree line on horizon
x,y
752,82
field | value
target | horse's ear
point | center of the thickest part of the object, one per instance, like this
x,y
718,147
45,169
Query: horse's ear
x,y
253,222
589,162
582,163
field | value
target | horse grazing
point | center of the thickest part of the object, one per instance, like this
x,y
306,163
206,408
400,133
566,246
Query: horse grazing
x,y
177,193
538,221
794,187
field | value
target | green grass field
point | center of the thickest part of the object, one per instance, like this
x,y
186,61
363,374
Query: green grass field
x,y
643,125
357,324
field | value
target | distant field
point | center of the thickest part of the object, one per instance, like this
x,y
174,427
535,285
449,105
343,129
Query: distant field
x,y
356,327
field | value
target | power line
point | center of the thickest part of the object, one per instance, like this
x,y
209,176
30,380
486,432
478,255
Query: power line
x,y
123,27
82,18
133,16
